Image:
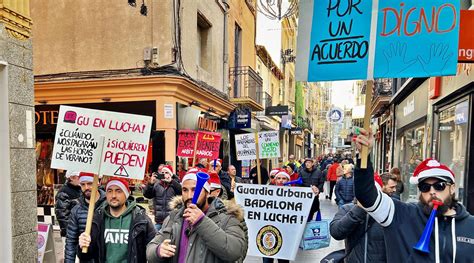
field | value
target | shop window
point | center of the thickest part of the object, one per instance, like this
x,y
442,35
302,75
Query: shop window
x,y
452,141
411,154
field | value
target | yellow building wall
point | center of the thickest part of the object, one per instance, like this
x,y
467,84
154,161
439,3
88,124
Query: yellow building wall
x,y
241,14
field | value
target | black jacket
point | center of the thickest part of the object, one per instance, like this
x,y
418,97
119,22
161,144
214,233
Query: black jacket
x,y
404,224
66,198
141,233
77,225
263,174
363,236
225,181
162,193
313,177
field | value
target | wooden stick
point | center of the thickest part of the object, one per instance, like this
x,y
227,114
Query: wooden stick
x,y
95,186
368,103
259,177
195,148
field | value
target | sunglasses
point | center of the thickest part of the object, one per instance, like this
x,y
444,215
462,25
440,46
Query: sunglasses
x,y
438,186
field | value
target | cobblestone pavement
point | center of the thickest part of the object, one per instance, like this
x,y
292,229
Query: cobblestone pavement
x,y
328,210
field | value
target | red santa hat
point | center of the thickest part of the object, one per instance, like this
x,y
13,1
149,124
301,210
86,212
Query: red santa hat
x,y
218,162
192,176
121,183
70,173
378,180
431,168
167,169
86,177
274,171
214,180
284,173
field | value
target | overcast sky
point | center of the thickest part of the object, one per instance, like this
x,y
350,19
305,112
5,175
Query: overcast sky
x,y
269,35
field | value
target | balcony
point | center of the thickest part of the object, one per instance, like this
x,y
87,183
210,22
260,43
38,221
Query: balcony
x,y
382,92
246,87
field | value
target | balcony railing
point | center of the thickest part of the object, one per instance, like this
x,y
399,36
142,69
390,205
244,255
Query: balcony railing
x,y
246,84
266,100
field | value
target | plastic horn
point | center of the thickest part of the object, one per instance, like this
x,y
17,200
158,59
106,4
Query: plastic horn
x,y
423,244
297,181
201,180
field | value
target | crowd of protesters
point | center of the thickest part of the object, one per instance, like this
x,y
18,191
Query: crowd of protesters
x,y
123,232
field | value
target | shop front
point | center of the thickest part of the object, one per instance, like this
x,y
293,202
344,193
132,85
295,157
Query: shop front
x,y
410,144
453,130
155,96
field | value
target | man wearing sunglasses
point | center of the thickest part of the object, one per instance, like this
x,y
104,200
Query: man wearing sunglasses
x,y
452,239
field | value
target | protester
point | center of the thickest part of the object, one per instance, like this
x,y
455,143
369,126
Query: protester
x,y
120,229
263,174
208,231
291,169
400,185
233,179
345,187
364,240
203,164
312,177
291,159
273,172
223,176
78,218
180,171
162,191
390,185
217,189
66,198
404,223
333,175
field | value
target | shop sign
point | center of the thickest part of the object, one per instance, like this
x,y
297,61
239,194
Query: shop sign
x,y
296,131
277,110
87,139
286,121
335,115
461,113
434,87
409,107
466,37
46,117
207,124
240,119
207,146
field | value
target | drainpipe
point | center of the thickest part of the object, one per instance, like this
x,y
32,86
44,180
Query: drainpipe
x,y
225,80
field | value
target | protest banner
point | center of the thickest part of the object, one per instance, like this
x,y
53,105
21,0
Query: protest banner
x,y
346,40
207,144
78,136
333,40
275,216
245,146
416,38
269,144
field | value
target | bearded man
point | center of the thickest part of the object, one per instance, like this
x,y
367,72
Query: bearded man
x,y
404,223
209,231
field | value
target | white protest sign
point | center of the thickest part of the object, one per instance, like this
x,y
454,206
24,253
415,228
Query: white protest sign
x,y
245,146
276,217
77,144
269,144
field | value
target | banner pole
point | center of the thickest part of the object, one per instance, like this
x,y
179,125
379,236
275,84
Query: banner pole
x,y
92,200
368,103
195,148
259,177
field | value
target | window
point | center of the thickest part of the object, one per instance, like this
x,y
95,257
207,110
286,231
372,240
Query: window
x,y
452,140
204,43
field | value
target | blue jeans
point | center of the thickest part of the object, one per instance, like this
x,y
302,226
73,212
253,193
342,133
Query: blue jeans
x,y
158,227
